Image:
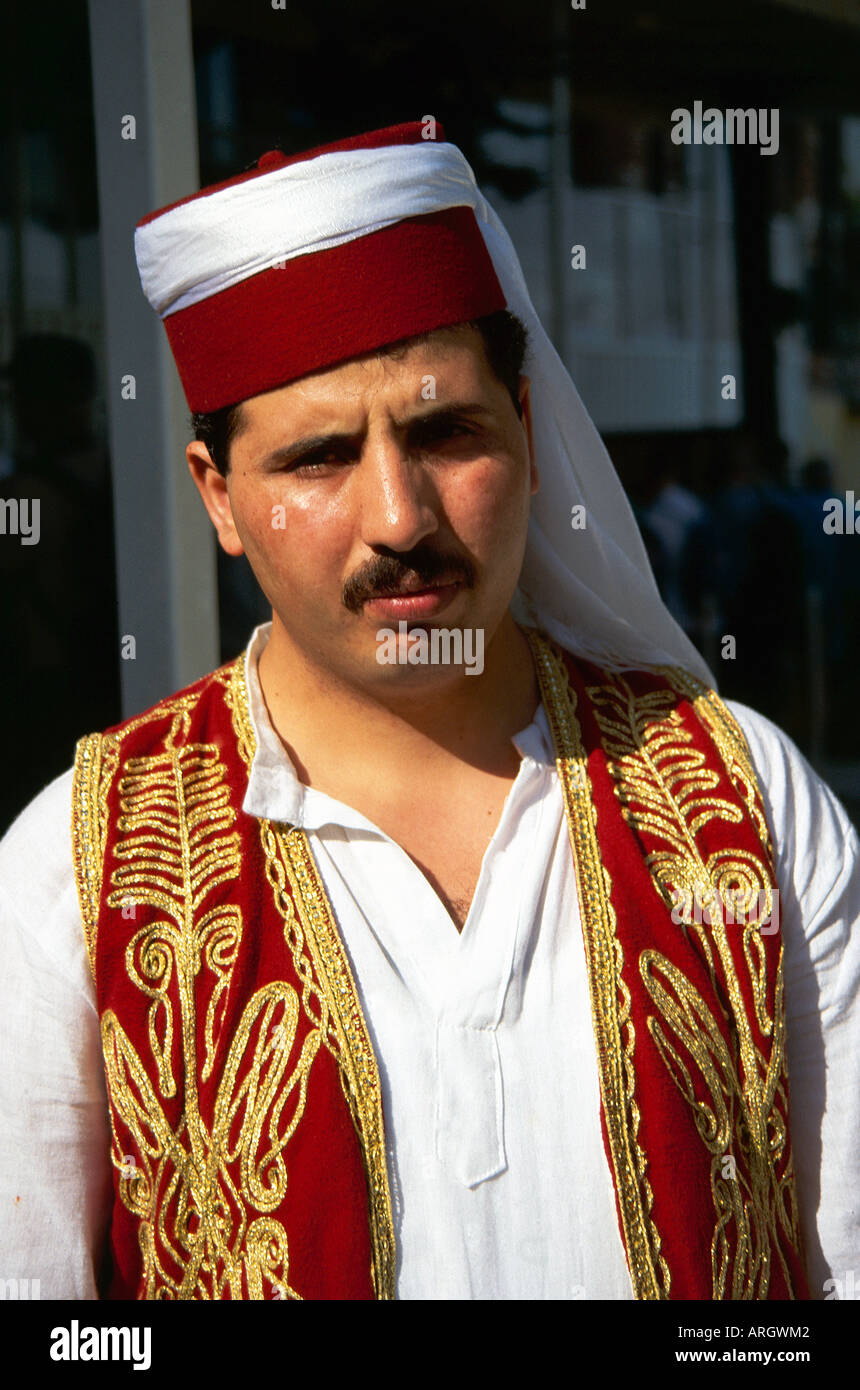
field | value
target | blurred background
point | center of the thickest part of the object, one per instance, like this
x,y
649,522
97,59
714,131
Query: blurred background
x,y
701,263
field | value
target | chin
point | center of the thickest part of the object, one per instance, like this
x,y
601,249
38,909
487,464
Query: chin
x,y
429,655
414,682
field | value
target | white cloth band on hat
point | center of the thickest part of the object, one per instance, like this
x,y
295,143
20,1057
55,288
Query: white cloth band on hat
x,y
592,589
208,244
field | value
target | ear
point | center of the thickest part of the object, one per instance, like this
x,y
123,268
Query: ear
x,y
216,498
525,404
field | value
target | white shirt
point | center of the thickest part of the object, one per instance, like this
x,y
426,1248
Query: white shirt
x,y
499,1181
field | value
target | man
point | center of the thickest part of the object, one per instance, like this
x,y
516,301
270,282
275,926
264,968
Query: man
x,y
436,948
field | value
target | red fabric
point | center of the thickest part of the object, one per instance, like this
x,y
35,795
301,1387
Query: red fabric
x,y
679,1164
325,307
318,310
324,1211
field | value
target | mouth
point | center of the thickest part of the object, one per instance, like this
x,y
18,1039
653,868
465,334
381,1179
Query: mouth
x,y
412,600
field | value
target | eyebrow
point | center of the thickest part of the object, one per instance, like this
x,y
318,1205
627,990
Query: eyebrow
x,y
288,453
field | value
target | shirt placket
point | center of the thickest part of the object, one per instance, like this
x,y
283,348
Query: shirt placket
x,y
469,1118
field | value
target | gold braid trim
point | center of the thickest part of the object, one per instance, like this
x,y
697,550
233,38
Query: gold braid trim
x,y
359,1073
610,998
87,842
308,918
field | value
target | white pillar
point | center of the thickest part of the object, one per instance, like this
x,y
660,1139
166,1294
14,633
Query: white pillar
x,y
166,581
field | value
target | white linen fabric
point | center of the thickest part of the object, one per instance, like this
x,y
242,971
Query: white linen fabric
x,y
500,1185
210,243
591,589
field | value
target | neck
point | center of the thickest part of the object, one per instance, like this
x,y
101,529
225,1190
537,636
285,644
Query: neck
x,y
472,720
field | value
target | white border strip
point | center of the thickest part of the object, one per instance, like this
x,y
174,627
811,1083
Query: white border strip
x,y
206,245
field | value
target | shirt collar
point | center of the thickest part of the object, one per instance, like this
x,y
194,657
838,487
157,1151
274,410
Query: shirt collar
x,y
274,789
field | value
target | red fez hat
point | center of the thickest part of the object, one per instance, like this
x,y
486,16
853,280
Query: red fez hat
x,y
311,259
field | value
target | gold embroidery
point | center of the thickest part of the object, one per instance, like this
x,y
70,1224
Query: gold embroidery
x,y
86,838
236,699
660,780
175,845
188,1206
733,748
96,761
329,995
359,1072
748,1209
610,998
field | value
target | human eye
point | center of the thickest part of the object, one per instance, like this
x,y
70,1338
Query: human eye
x,y
315,463
440,428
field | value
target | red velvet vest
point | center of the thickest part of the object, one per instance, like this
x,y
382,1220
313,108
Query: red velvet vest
x,y
248,1145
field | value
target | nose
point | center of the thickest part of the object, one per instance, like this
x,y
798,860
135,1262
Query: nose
x,y
398,499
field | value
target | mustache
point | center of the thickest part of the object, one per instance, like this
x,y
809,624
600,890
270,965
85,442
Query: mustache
x,y
389,571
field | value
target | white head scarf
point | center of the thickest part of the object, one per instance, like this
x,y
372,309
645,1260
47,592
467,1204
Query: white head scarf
x,y
591,589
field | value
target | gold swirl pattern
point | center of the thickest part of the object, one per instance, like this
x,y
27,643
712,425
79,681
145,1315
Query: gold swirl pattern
x,y
610,997
201,1233
660,780
729,738
329,995
751,1198
191,1213
667,793
176,844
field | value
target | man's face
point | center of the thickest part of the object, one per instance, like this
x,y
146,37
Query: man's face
x,y
390,488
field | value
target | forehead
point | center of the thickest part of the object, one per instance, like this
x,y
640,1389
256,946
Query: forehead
x,y
454,358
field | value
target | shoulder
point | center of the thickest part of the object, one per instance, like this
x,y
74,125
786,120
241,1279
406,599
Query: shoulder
x,y
39,900
29,844
816,847
39,908
811,832
184,700
802,806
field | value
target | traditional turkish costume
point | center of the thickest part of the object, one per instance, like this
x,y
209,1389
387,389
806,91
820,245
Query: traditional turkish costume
x,y
245,1100
248,1126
